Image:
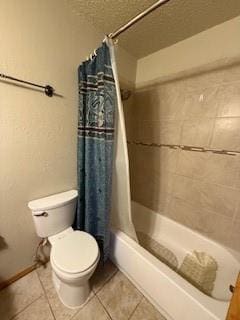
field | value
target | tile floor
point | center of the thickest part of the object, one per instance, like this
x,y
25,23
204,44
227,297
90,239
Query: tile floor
x,y
113,297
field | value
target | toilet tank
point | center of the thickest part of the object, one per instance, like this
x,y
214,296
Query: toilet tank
x,y
55,213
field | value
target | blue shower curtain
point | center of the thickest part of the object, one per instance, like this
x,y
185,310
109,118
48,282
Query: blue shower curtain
x,y
97,104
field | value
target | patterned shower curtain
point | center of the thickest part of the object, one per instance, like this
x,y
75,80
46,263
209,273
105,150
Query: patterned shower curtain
x,y
97,104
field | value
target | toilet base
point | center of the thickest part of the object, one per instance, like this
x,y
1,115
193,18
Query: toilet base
x,y
72,296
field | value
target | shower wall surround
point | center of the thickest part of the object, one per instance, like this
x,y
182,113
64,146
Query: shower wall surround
x,y
198,189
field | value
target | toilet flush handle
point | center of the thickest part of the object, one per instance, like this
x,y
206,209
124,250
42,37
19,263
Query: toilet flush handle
x,y
41,214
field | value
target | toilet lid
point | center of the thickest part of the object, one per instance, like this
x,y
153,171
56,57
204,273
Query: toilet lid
x,y
75,253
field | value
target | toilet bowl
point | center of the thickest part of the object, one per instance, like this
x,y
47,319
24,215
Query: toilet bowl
x,y
74,255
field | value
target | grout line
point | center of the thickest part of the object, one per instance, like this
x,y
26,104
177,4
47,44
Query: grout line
x,y
46,296
16,314
132,313
96,294
114,273
104,307
83,307
211,136
198,207
203,181
235,215
175,172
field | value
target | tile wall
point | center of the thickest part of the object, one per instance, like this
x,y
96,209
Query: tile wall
x,y
199,190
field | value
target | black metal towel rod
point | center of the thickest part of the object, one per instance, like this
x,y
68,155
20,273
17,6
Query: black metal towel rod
x,y
47,89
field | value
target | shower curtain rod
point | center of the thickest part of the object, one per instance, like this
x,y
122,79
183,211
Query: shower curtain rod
x,y
139,17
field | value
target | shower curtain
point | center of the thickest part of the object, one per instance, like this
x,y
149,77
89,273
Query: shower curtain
x,y
98,102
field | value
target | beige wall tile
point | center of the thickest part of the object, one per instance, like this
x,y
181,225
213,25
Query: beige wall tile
x,y
203,80
162,102
161,203
226,134
221,232
170,132
220,199
160,132
171,101
201,103
192,164
222,169
197,132
209,167
191,216
213,197
142,188
165,182
147,104
132,129
132,150
202,111
210,224
166,159
157,202
153,190
238,177
232,73
228,99
187,189
146,157
159,159
148,131
129,107
234,241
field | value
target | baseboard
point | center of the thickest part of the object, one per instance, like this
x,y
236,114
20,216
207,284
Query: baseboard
x,y
17,276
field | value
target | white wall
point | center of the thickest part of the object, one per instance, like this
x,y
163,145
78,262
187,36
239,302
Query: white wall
x,y
219,42
127,67
41,41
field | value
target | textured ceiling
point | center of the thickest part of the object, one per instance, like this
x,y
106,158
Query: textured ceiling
x,y
173,22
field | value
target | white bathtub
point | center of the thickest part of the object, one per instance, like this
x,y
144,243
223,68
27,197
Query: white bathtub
x,y
172,295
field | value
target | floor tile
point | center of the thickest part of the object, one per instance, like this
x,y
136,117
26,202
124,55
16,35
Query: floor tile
x,y
38,310
60,311
120,297
93,310
146,311
19,295
45,276
102,275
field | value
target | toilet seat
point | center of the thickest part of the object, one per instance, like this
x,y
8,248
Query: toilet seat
x,y
75,253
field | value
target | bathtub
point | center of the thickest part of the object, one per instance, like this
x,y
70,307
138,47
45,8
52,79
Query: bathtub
x,y
171,294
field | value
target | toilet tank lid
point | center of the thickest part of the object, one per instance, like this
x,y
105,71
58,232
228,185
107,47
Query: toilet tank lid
x,y
53,201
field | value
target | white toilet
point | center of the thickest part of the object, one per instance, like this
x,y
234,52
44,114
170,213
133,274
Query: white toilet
x,y
74,254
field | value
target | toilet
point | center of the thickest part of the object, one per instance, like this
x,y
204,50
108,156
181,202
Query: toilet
x,y
74,254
